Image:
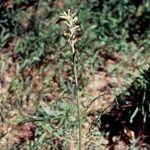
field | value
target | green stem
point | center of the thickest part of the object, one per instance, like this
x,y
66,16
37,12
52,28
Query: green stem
x,y
77,97
79,125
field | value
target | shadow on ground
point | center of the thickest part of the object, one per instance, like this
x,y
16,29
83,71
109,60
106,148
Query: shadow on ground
x,y
130,118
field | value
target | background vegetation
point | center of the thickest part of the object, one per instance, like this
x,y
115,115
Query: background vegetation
x,y
37,82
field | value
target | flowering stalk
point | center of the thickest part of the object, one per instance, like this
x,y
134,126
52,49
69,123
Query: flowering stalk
x,y
70,20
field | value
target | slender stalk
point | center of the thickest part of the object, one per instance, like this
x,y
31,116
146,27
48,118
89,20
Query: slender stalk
x,y
79,124
77,98
72,28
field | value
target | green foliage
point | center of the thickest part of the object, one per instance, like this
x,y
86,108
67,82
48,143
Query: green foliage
x,y
54,122
143,87
3,37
